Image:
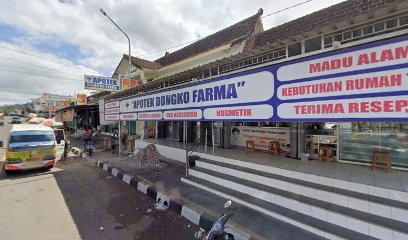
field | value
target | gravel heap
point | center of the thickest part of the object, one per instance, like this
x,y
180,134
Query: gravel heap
x,y
147,157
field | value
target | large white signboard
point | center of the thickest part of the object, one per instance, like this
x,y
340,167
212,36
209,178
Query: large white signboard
x,y
255,87
376,82
362,83
375,107
364,59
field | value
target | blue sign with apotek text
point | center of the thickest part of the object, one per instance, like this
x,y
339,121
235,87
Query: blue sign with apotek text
x,y
101,83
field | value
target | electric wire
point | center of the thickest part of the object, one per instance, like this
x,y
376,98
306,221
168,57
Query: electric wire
x,y
38,66
42,57
40,75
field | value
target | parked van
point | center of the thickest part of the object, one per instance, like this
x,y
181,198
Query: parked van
x,y
29,147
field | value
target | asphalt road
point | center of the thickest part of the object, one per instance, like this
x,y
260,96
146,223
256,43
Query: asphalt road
x,y
76,200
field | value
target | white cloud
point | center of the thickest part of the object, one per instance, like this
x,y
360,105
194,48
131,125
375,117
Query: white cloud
x,y
151,25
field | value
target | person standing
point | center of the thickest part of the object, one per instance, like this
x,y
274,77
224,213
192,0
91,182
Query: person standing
x,y
87,137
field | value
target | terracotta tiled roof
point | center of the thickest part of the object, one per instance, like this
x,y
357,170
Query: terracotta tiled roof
x,y
240,30
336,13
142,63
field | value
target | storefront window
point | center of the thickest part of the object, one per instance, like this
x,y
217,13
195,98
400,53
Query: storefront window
x,y
176,130
358,141
320,134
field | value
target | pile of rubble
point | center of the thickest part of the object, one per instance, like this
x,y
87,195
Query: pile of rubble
x,y
147,157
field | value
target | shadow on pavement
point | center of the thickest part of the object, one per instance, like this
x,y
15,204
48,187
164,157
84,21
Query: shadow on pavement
x,y
96,200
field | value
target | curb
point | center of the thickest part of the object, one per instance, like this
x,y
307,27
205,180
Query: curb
x,y
188,211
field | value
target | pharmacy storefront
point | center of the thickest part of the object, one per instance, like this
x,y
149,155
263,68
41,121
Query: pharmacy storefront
x,y
353,101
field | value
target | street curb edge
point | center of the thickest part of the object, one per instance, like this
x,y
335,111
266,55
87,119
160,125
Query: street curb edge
x,y
186,211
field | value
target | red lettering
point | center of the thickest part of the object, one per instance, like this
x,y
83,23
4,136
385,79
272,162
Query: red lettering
x,y
314,68
327,108
348,61
284,92
335,64
388,106
363,59
353,107
387,55
400,104
311,109
249,112
297,109
364,107
295,91
401,52
374,57
325,66
376,106
396,80
339,108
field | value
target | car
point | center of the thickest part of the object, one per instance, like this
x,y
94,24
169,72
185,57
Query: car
x,y
16,120
30,147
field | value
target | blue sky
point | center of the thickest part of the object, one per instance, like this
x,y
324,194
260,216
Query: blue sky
x,y
8,33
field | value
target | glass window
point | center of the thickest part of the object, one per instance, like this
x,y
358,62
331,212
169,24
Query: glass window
x,y
295,49
391,23
214,71
358,141
320,134
206,73
357,32
403,20
338,37
347,35
313,44
328,40
282,53
32,137
368,30
379,27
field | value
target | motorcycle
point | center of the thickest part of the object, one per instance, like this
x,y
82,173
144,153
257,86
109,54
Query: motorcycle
x,y
217,231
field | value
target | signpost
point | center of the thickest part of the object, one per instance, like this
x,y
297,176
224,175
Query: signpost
x,y
101,83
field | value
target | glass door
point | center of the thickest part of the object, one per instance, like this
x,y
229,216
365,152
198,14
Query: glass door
x,y
358,141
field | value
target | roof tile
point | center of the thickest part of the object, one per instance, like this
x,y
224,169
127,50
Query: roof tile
x,y
240,30
142,63
324,17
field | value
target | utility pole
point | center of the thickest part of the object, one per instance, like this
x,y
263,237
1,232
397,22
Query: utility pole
x,y
130,65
